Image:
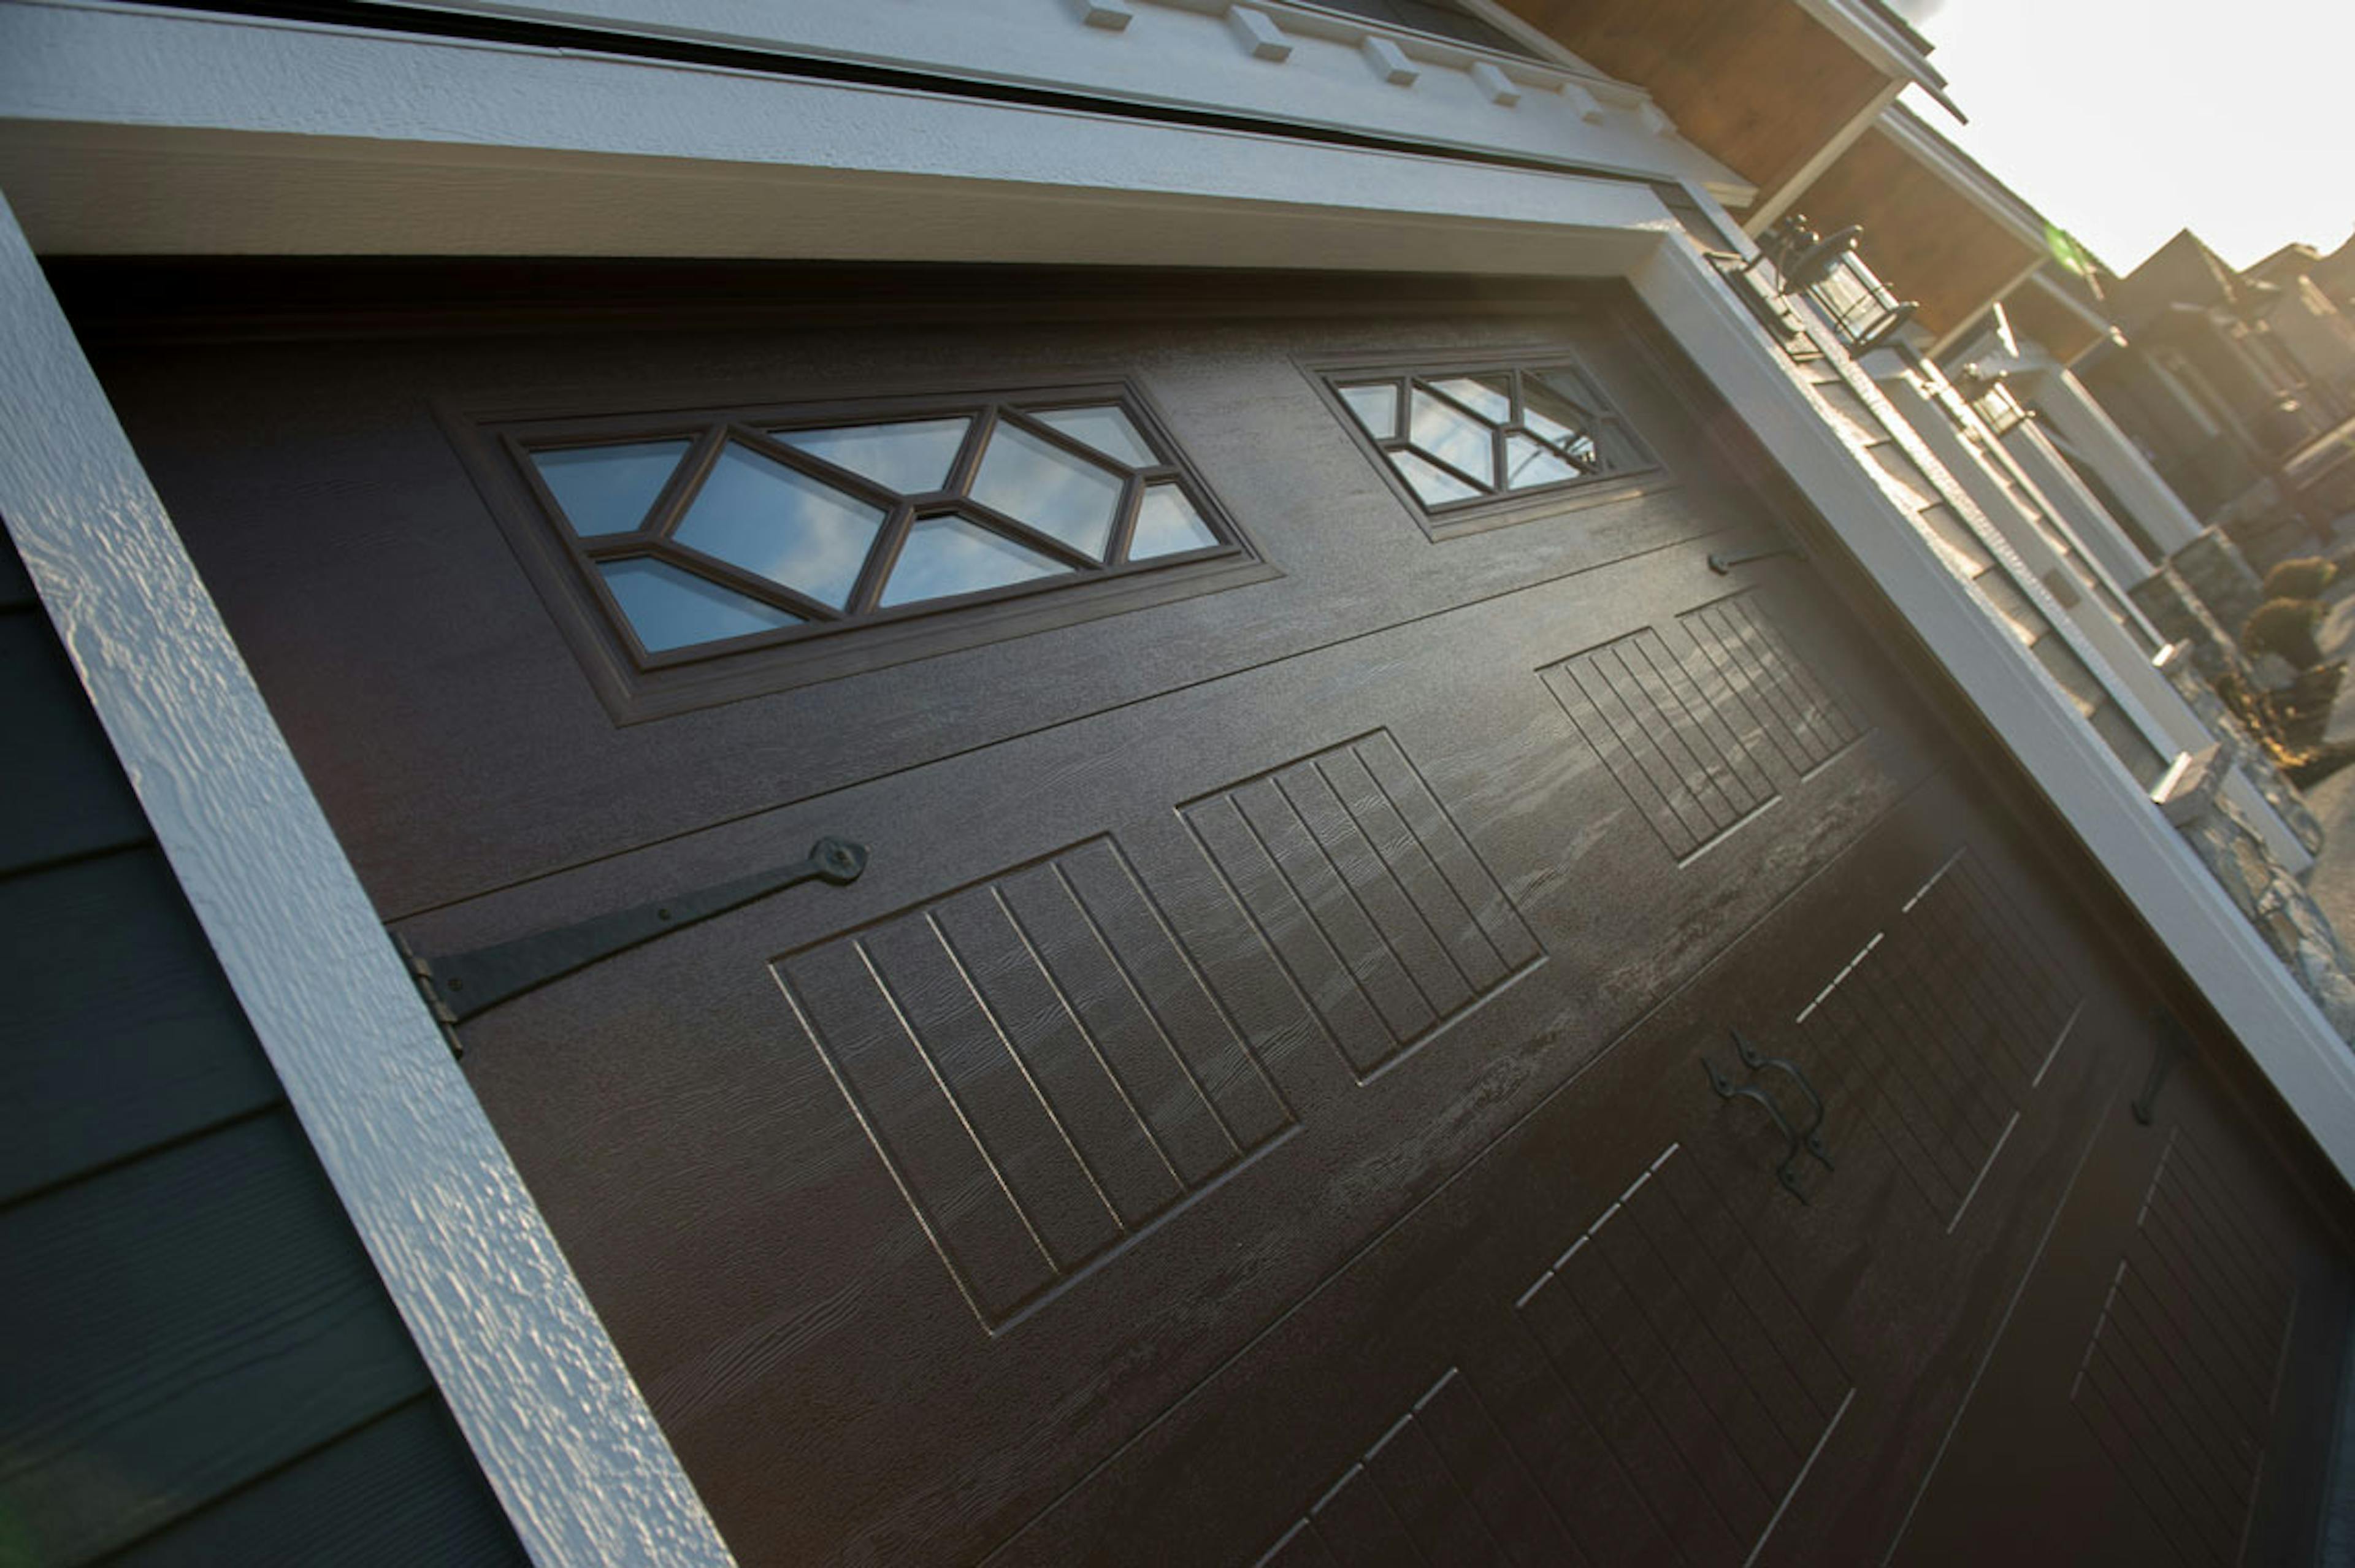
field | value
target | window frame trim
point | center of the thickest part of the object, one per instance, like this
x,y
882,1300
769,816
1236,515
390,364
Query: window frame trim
x,y
492,438
1505,509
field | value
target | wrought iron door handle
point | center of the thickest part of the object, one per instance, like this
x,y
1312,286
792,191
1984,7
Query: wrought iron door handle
x,y
1809,1135
459,985
1727,1090
1722,562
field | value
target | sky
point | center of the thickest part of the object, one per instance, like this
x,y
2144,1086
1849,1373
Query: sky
x,y
2124,121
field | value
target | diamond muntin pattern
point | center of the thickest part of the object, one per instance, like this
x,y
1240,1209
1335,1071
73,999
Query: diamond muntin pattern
x,y
751,527
1461,437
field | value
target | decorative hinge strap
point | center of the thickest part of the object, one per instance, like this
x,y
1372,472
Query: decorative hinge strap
x,y
459,985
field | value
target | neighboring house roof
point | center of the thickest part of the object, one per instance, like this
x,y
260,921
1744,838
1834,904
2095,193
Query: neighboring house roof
x,y
2184,272
2292,261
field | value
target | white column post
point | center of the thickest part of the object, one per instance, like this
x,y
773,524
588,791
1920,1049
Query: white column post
x,y
2096,438
2104,537
2120,665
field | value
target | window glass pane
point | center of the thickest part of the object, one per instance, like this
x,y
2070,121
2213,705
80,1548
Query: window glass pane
x,y
1614,449
1538,421
670,608
1561,409
1490,397
1377,407
1108,429
608,489
1452,436
1527,463
1167,523
758,514
1434,484
1048,488
948,555
912,457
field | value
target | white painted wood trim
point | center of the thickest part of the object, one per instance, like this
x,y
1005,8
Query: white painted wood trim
x,y
1390,62
1124,52
555,1420
2277,1023
2032,448
2080,421
1498,88
2165,721
360,141
1259,36
1910,439
1917,141
2141,692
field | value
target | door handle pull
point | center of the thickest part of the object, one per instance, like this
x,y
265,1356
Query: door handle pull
x,y
1727,1090
1722,562
1810,1136
459,985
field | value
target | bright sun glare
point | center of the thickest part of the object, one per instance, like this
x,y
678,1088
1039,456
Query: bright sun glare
x,y
2125,122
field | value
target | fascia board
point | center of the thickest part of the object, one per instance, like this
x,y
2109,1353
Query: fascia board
x,y
132,131
1295,63
1981,189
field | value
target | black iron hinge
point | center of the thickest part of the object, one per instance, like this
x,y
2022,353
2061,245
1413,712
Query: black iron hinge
x,y
457,986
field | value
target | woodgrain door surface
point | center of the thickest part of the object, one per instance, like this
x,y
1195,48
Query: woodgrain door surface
x,y
1253,1103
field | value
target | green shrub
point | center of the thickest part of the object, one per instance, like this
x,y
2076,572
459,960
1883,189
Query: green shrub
x,y
2285,626
2303,578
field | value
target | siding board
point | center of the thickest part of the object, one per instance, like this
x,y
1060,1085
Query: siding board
x,y
66,796
16,587
376,1497
179,1325
119,1033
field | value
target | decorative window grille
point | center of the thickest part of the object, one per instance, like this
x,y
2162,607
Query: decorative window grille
x,y
1462,439
746,527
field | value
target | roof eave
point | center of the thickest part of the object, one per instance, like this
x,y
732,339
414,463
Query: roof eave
x,y
1896,49
1949,162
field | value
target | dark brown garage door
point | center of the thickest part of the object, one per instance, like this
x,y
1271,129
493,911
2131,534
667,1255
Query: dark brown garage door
x,y
1391,1013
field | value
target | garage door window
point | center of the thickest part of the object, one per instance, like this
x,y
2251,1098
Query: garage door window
x,y
751,527
1463,440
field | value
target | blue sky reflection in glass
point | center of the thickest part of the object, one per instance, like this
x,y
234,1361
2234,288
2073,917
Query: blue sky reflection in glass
x,y
671,608
756,513
608,489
